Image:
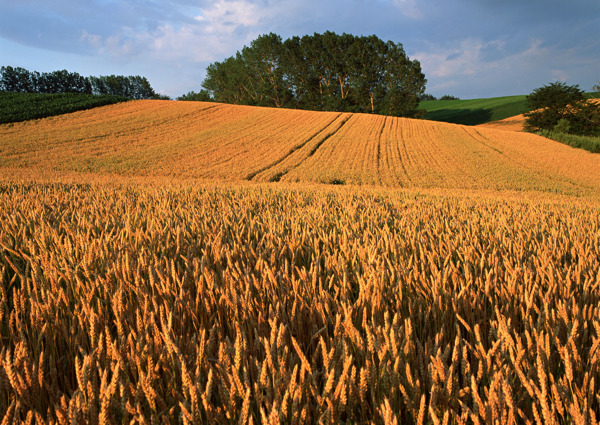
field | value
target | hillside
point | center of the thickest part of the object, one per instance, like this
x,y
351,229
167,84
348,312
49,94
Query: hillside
x,y
474,111
513,123
227,142
16,107
135,290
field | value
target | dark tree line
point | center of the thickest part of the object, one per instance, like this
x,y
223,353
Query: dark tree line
x,y
327,72
426,96
22,80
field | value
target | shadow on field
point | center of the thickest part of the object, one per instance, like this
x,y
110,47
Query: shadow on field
x,y
461,116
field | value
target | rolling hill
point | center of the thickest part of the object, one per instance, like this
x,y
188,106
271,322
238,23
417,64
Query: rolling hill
x,y
227,142
17,107
145,277
475,111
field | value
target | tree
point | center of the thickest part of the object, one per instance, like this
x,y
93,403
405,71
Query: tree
x,y
201,96
558,101
16,79
426,97
327,72
227,82
263,65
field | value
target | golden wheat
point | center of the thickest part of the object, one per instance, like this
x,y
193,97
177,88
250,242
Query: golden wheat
x,y
212,141
207,303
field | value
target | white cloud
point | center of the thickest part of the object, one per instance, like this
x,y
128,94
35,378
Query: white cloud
x,y
219,30
93,40
408,8
224,16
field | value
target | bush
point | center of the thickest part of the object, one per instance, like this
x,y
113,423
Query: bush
x,y
559,103
588,143
563,126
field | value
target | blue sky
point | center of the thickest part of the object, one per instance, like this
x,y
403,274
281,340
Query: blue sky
x,y
467,48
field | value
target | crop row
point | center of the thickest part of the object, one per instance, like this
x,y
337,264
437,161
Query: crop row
x,y
16,107
229,142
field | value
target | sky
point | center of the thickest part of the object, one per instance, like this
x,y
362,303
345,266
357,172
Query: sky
x,y
467,48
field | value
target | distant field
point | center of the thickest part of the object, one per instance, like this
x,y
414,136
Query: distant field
x,y
227,142
15,107
474,111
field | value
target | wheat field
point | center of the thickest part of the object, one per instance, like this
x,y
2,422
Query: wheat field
x,y
228,303
193,263
210,141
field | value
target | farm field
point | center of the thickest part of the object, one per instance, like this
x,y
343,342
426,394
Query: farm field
x,y
226,142
475,111
187,262
15,107
253,303
514,123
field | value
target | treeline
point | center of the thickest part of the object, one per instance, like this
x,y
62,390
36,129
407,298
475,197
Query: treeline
x,y
327,72
426,97
23,81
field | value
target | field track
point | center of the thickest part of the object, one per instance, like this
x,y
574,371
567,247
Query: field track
x,y
227,142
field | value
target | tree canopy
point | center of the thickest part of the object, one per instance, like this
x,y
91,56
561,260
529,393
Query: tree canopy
x,y
558,106
22,80
327,72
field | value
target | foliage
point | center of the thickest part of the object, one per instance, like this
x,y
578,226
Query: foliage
x,y
588,143
474,111
22,80
326,72
563,126
558,101
201,96
15,107
449,97
426,96
157,303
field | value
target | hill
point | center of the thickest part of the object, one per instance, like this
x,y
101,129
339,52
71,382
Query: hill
x,y
474,111
227,142
140,297
513,123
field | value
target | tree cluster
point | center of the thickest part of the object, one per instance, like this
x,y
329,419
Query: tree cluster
x,y
22,80
327,72
562,108
426,97
201,96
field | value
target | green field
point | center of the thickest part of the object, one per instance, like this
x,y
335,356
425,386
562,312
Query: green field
x,y
16,107
474,111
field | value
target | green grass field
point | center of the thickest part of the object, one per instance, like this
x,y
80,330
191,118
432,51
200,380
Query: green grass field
x,y
474,111
16,107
